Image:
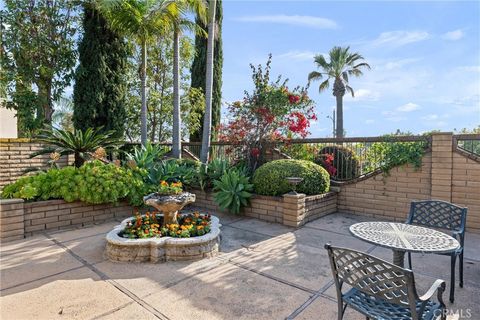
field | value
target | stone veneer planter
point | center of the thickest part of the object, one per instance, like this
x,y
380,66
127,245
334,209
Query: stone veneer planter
x,y
162,249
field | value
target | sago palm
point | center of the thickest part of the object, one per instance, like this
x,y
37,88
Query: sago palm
x,y
181,23
77,142
341,64
142,20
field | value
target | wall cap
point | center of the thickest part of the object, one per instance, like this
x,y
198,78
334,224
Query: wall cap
x,y
11,201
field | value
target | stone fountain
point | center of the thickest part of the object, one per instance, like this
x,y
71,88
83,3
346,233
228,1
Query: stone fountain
x,y
164,248
169,205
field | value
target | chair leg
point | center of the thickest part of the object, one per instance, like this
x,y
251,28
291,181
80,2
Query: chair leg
x,y
409,260
461,269
341,309
452,277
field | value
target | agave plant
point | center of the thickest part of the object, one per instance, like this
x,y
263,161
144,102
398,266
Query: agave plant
x,y
79,143
146,156
170,171
232,191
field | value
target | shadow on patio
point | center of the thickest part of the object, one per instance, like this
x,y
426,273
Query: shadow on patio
x,y
264,271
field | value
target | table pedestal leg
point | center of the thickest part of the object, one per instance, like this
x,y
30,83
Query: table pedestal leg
x,y
398,258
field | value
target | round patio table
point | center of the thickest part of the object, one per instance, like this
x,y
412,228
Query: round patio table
x,y
401,238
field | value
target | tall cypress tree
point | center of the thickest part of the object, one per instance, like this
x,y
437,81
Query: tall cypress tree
x,y
198,70
100,83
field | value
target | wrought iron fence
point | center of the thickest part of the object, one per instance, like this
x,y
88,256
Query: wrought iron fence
x,y
355,157
469,143
350,157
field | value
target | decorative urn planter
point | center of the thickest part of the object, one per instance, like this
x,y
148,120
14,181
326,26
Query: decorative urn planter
x,y
165,248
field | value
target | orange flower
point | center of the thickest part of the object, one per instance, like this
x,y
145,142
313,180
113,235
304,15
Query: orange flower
x,y
164,183
199,227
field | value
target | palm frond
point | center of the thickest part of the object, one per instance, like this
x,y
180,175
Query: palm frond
x,y
324,85
350,89
314,75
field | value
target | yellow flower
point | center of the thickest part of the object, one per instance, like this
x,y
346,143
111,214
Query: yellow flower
x,y
100,153
131,164
55,156
164,183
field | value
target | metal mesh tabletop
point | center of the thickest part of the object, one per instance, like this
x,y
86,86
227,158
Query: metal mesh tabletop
x,y
404,237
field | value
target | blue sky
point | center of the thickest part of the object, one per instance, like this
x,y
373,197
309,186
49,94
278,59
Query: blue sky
x,y
425,58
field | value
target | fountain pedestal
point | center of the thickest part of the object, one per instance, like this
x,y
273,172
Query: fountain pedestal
x,y
169,205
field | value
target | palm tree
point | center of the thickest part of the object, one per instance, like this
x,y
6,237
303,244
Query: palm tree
x,y
180,22
207,120
342,64
142,20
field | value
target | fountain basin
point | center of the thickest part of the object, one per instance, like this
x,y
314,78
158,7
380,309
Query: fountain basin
x,y
164,248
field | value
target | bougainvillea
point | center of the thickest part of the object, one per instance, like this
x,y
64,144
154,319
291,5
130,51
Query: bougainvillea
x,y
272,112
327,163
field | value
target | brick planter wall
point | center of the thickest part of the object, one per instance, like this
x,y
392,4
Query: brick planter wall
x,y
290,210
21,219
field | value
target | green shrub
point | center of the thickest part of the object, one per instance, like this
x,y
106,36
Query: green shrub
x,y
232,191
345,161
270,178
94,182
387,155
214,170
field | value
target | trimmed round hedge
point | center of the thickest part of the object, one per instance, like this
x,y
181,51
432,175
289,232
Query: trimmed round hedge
x,y
270,178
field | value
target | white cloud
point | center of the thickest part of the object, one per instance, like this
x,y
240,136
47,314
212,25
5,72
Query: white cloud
x,y
409,107
434,120
296,20
393,116
454,35
297,55
397,64
398,38
366,95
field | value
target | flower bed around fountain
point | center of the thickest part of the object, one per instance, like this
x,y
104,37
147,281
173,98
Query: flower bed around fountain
x,y
161,248
167,236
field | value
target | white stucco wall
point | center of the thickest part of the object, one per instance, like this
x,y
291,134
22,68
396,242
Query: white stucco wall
x,y
8,123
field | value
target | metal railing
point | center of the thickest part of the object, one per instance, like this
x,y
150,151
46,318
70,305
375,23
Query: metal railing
x,y
469,143
352,157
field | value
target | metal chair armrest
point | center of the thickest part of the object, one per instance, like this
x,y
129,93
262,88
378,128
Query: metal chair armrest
x,y
439,286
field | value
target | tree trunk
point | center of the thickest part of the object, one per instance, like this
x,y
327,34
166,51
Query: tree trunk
x,y
339,92
176,134
45,97
207,123
78,160
339,133
143,76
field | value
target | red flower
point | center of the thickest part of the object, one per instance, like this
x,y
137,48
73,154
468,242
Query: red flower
x,y
255,152
293,98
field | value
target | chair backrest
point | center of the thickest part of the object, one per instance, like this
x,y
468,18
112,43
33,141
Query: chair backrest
x,y
373,276
438,214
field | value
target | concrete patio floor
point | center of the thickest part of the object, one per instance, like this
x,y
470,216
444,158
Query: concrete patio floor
x,y
264,271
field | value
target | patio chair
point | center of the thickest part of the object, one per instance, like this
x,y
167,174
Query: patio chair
x,y
381,290
442,215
